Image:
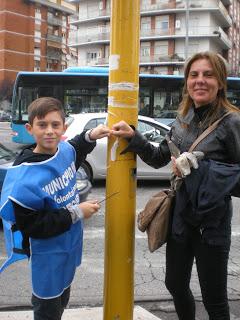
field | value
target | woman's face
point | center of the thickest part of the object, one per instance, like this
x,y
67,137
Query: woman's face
x,y
202,84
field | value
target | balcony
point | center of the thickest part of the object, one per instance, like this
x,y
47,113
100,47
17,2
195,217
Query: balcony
x,y
214,6
157,60
54,21
147,8
92,38
54,55
223,15
222,38
227,2
94,15
54,38
216,33
152,34
171,33
102,62
161,59
69,9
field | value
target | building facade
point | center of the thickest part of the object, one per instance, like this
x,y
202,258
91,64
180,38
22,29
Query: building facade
x,y
234,35
34,36
170,31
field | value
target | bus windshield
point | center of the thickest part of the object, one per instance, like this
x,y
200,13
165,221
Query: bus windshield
x,y
85,89
77,94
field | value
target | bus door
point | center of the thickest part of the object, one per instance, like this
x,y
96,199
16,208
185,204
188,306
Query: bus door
x,y
165,104
144,102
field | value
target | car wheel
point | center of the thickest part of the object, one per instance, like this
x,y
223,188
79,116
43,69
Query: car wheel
x,y
88,171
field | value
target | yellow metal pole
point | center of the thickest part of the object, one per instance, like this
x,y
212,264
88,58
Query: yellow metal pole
x,y
121,171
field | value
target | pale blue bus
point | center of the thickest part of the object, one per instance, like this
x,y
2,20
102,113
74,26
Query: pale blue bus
x,y
85,89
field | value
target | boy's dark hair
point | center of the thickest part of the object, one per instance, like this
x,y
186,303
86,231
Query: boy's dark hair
x,y
42,106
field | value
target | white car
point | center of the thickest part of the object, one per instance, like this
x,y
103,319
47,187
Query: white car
x,y
95,164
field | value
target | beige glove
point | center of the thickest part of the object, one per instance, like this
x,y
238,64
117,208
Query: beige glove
x,y
188,160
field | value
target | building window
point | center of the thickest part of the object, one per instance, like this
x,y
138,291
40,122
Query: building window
x,y
162,1
145,49
36,65
64,21
37,52
92,56
161,48
194,26
162,22
49,67
37,36
161,70
108,6
193,48
146,3
64,38
146,23
38,13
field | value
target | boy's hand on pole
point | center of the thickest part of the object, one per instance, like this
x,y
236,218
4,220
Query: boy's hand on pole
x,y
99,132
122,129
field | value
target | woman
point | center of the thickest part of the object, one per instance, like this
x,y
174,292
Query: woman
x,y
205,239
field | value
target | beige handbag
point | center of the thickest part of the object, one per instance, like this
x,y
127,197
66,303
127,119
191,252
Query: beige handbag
x,y
155,217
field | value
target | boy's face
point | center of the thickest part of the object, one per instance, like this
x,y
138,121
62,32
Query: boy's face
x,y
47,132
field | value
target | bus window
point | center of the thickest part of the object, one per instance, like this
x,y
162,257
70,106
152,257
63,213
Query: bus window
x,y
45,92
25,97
166,103
86,100
144,102
234,98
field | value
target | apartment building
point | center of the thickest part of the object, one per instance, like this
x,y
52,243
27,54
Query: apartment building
x,y
34,35
234,35
170,31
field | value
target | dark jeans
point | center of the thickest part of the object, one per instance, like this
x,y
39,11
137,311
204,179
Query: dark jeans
x,y
50,309
211,262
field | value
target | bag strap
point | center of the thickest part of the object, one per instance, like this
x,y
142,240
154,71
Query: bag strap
x,y
206,132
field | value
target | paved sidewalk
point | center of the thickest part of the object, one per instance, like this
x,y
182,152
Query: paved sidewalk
x,y
78,314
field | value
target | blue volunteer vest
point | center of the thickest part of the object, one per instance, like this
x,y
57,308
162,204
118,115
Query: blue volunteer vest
x,y
49,184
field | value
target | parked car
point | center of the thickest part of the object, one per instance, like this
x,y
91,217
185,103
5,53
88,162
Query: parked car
x,y
5,116
95,164
84,185
7,157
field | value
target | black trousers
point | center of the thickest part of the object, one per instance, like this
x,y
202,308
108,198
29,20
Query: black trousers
x,y
211,263
50,309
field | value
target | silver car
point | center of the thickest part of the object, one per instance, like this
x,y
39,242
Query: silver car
x,y
95,164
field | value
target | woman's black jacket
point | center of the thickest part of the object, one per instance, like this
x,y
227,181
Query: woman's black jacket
x,y
223,144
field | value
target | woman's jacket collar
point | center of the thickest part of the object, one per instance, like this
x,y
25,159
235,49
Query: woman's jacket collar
x,y
187,119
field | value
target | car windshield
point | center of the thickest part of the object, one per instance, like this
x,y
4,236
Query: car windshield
x,y
5,155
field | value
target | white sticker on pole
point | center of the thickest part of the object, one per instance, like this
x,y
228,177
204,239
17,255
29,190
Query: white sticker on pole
x,y
114,61
117,104
114,150
123,86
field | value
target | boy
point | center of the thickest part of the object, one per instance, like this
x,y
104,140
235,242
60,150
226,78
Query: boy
x,y
41,190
